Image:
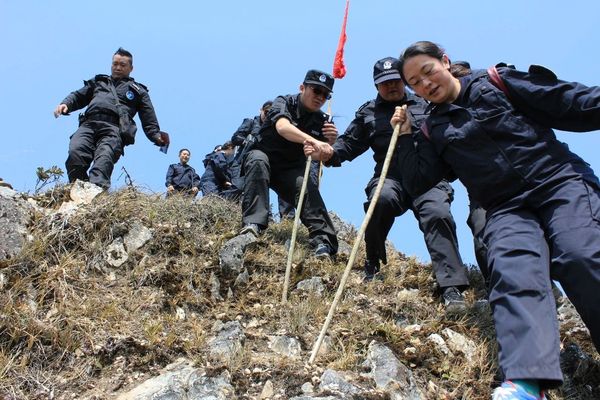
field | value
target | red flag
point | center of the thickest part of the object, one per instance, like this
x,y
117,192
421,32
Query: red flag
x,y
339,69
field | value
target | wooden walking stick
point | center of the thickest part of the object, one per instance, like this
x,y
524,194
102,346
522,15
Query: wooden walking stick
x,y
359,236
330,120
288,267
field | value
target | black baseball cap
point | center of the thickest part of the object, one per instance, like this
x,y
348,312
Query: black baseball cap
x,y
386,69
319,78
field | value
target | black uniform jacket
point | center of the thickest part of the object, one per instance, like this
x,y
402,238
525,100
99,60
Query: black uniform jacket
x,y
248,126
495,149
278,149
182,177
97,96
371,128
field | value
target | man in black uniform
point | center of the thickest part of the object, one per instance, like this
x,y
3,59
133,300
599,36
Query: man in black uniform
x,y
243,138
371,128
216,178
99,141
277,161
181,177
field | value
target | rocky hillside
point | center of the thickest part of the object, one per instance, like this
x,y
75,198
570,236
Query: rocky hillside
x,y
130,296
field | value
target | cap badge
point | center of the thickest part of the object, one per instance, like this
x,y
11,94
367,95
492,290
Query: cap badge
x,y
387,65
129,95
322,78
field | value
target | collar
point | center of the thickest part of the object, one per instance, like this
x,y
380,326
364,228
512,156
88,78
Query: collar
x,y
465,82
408,99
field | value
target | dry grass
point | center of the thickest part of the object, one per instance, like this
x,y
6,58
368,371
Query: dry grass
x,y
69,321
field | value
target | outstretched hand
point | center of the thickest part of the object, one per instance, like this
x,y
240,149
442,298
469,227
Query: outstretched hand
x,y
61,109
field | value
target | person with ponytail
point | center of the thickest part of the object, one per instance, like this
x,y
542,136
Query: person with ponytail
x,y
542,200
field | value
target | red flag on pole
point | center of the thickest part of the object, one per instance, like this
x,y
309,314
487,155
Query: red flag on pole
x,y
339,69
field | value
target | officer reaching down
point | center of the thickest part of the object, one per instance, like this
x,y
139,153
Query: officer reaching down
x,y
112,102
277,161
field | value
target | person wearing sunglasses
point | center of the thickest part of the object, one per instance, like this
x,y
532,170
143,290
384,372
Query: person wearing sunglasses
x,y
371,129
277,161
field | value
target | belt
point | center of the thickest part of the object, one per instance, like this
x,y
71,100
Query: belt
x,y
104,117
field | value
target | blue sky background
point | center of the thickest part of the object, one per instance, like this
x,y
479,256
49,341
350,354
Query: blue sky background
x,y
209,64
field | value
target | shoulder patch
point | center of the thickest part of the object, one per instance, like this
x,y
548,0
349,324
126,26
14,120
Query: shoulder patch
x,y
363,106
101,77
138,87
362,110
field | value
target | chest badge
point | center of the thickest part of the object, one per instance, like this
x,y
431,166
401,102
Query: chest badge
x,y
129,95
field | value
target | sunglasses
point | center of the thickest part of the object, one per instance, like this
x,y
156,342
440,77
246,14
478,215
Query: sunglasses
x,y
321,92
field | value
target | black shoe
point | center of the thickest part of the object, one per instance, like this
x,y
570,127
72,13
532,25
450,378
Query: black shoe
x,y
323,251
371,270
453,299
251,228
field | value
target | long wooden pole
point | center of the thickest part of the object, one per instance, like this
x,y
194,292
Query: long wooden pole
x,y
321,162
288,267
359,236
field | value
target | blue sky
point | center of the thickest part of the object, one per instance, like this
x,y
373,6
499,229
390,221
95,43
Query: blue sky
x,y
210,64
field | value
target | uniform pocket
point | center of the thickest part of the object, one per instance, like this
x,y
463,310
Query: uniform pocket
x,y
489,102
593,199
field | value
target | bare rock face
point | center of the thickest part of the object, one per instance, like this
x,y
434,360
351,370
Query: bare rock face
x,y
343,229
84,192
137,236
334,382
81,193
286,346
312,285
460,344
14,216
231,256
181,381
390,374
228,342
115,254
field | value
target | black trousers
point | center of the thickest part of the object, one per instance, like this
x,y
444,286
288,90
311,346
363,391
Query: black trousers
x,y
286,180
98,144
432,210
551,231
476,221
287,210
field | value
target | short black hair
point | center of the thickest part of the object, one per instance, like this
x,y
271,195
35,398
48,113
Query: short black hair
x,y
184,149
266,104
124,53
227,145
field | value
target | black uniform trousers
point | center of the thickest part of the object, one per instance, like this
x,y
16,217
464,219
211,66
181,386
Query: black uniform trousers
x,y
476,221
432,210
287,210
95,143
286,180
549,232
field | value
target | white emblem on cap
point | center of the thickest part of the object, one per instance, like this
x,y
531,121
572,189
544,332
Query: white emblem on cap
x,y
323,78
387,65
